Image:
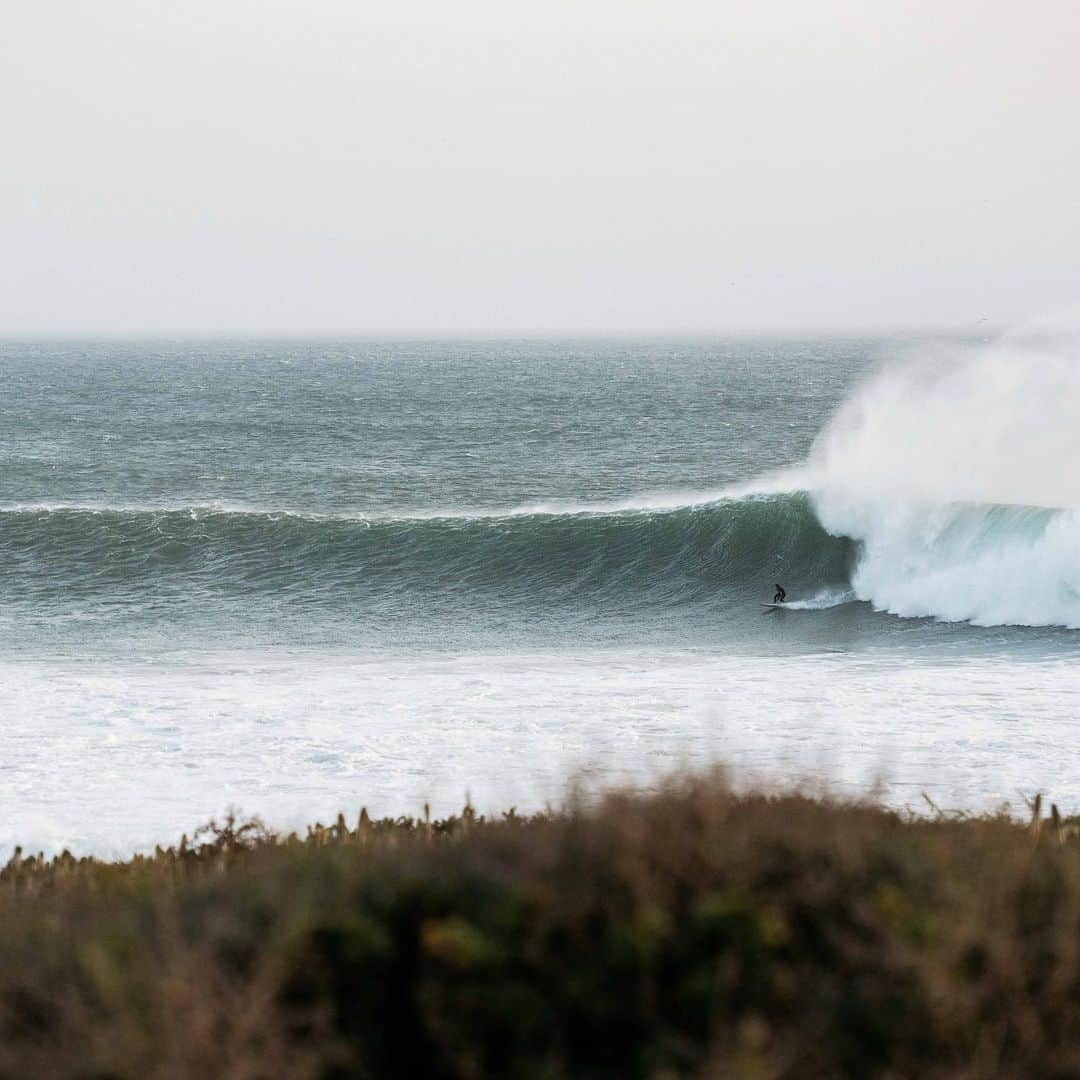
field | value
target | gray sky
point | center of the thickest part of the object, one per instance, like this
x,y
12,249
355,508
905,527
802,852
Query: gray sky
x,y
460,166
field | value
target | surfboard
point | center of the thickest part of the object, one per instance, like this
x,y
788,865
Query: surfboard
x,y
773,607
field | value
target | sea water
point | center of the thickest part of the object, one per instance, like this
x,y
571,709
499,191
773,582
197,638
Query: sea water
x,y
301,577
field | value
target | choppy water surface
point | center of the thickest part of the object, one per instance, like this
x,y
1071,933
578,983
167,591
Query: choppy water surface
x,y
301,577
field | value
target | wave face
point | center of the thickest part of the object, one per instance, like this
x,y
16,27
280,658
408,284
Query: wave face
x,y
635,557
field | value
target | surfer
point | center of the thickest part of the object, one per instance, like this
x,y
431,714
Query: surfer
x,y
780,596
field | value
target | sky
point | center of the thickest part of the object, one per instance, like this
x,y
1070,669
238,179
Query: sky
x,y
515,167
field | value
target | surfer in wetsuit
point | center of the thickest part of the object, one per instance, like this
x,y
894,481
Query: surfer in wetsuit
x,y
780,596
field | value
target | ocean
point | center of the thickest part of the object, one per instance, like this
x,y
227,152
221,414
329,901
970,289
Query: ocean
x,y
301,577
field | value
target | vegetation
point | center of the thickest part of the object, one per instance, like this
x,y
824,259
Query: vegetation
x,y
690,932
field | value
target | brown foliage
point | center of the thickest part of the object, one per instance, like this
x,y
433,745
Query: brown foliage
x,y
692,931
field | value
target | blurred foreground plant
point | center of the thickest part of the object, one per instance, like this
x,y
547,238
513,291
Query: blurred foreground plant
x,y
692,931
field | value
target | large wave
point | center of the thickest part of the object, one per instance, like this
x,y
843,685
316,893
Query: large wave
x,y
637,553
945,486
955,474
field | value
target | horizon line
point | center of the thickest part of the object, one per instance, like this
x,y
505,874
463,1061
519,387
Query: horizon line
x,y
644,334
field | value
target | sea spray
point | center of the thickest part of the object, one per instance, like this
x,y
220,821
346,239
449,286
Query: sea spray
x,y
993,424
953,471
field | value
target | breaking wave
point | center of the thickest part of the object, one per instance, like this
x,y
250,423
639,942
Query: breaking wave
x,y
955,475
990,565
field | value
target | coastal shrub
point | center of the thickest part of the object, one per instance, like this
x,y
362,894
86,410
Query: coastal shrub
x,y
691,931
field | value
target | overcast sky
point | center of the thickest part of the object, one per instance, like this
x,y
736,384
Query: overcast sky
x,y
502,166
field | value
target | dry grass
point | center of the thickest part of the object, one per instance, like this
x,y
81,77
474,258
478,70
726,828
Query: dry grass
x,y
691,932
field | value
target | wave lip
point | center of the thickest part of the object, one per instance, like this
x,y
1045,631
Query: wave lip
x,y
786,482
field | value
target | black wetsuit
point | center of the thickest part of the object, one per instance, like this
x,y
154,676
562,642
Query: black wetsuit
x,y
780,596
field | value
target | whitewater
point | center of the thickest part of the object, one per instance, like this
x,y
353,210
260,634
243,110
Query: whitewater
x,y
298,578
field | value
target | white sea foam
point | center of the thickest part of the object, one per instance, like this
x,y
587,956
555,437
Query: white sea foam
x,y
822,600
956,473
117,754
